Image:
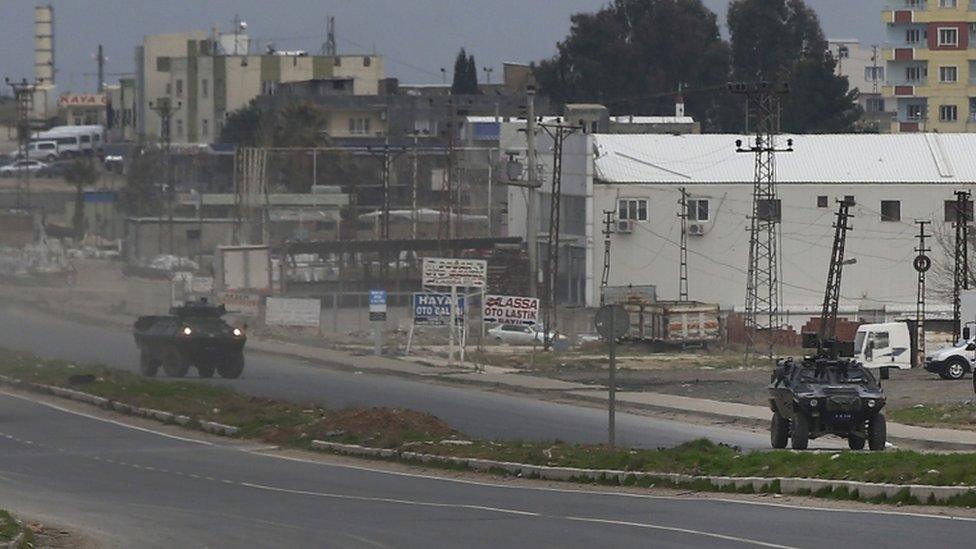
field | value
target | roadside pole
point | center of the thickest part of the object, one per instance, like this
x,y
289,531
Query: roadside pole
x,y
612,412
377,317
531,225
612,322
453,322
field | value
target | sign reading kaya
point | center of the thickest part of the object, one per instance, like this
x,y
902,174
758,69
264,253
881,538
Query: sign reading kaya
x,y
510,309
465,273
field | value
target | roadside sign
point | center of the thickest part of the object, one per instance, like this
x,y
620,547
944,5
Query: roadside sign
x,y
377,305
432,309
511,309
281,311
612,322
465,273
241,303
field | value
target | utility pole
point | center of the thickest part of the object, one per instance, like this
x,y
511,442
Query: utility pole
x,y
24,99
960,279
831,302
413,186
444,229
558,132
164,107
763,289
874,68
329,48
100,58
683,268
922,264
609,218
385,211
531,207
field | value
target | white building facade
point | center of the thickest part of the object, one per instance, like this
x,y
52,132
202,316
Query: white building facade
x,y
893,179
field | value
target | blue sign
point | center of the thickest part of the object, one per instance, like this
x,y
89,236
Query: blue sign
x,y
431,308
377,297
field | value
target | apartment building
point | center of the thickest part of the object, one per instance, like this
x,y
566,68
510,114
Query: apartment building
x,y
206,76
865,70
931,66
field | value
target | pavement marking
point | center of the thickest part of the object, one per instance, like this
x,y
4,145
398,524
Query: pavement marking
x,y
105,420
616,494
393,500
724,537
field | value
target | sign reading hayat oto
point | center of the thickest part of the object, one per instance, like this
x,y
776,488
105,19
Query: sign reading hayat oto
x,y
435,309
509,309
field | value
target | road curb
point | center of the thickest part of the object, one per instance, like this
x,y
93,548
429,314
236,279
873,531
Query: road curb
x,y
783,485
121,407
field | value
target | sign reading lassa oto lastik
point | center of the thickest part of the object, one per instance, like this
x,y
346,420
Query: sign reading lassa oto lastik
x,y
511,309
465,273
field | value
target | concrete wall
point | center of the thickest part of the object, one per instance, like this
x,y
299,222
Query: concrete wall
x,y
146,238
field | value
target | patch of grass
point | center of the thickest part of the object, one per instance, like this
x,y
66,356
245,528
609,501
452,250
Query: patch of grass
x,y
273,421
937,415
10,529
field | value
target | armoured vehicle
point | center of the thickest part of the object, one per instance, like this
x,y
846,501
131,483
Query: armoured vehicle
x,y
193,334
826,395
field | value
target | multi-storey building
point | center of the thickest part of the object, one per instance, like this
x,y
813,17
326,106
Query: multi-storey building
x,y
206,76
865,70
931,68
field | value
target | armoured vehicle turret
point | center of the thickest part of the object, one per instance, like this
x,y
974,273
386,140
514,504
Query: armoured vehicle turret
x,y
193,334
826,395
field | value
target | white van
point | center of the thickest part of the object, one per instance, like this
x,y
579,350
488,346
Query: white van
x,y
75,140
887,345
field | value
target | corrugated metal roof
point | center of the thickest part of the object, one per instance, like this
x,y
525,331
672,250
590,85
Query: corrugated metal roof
x,y
842,158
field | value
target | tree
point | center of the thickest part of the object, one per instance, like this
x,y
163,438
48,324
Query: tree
x,y
781,40
633,54
81,173
243,126
465,75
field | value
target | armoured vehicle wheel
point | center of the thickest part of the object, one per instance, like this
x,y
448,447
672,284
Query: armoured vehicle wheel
x,y
173,363
877,433
779,431
206,370
232,367
801,432
148,365
955,369
855,442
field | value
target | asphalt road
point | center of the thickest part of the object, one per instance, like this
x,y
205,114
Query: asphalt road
x,y
138,488
479,413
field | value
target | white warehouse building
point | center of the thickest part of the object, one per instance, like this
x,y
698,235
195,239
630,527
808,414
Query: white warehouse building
x,y
893,179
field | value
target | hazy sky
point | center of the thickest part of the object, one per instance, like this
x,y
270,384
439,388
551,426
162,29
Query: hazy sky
x,y
417,37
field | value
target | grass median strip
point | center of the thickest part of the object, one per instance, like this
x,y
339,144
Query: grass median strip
x,y
11,529
953,416
296,425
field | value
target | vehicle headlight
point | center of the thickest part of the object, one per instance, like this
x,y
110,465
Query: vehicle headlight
x,y
238,332
187,330
813,403
871,403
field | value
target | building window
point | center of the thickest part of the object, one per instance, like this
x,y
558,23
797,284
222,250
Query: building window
x,y
873,74
632,209
698,210
913,36
822,201
179,127
948,75
205,127
162,64
915,112
359,126
179,87
952,212
367,61
876,104
948,36
205,88
849,198
947,3
948,113
972,109
169,88
890,210
914,74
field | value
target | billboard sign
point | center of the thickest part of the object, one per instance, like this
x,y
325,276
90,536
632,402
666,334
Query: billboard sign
x,y
281,311
433,309
467,273
240,303
377,305
511,309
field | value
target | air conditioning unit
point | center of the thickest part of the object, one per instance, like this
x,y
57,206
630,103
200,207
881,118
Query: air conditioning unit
x,y
696,229
625,226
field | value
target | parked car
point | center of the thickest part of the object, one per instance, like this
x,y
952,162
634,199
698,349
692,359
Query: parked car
x,y
40,150
513,334
55,169
19,166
